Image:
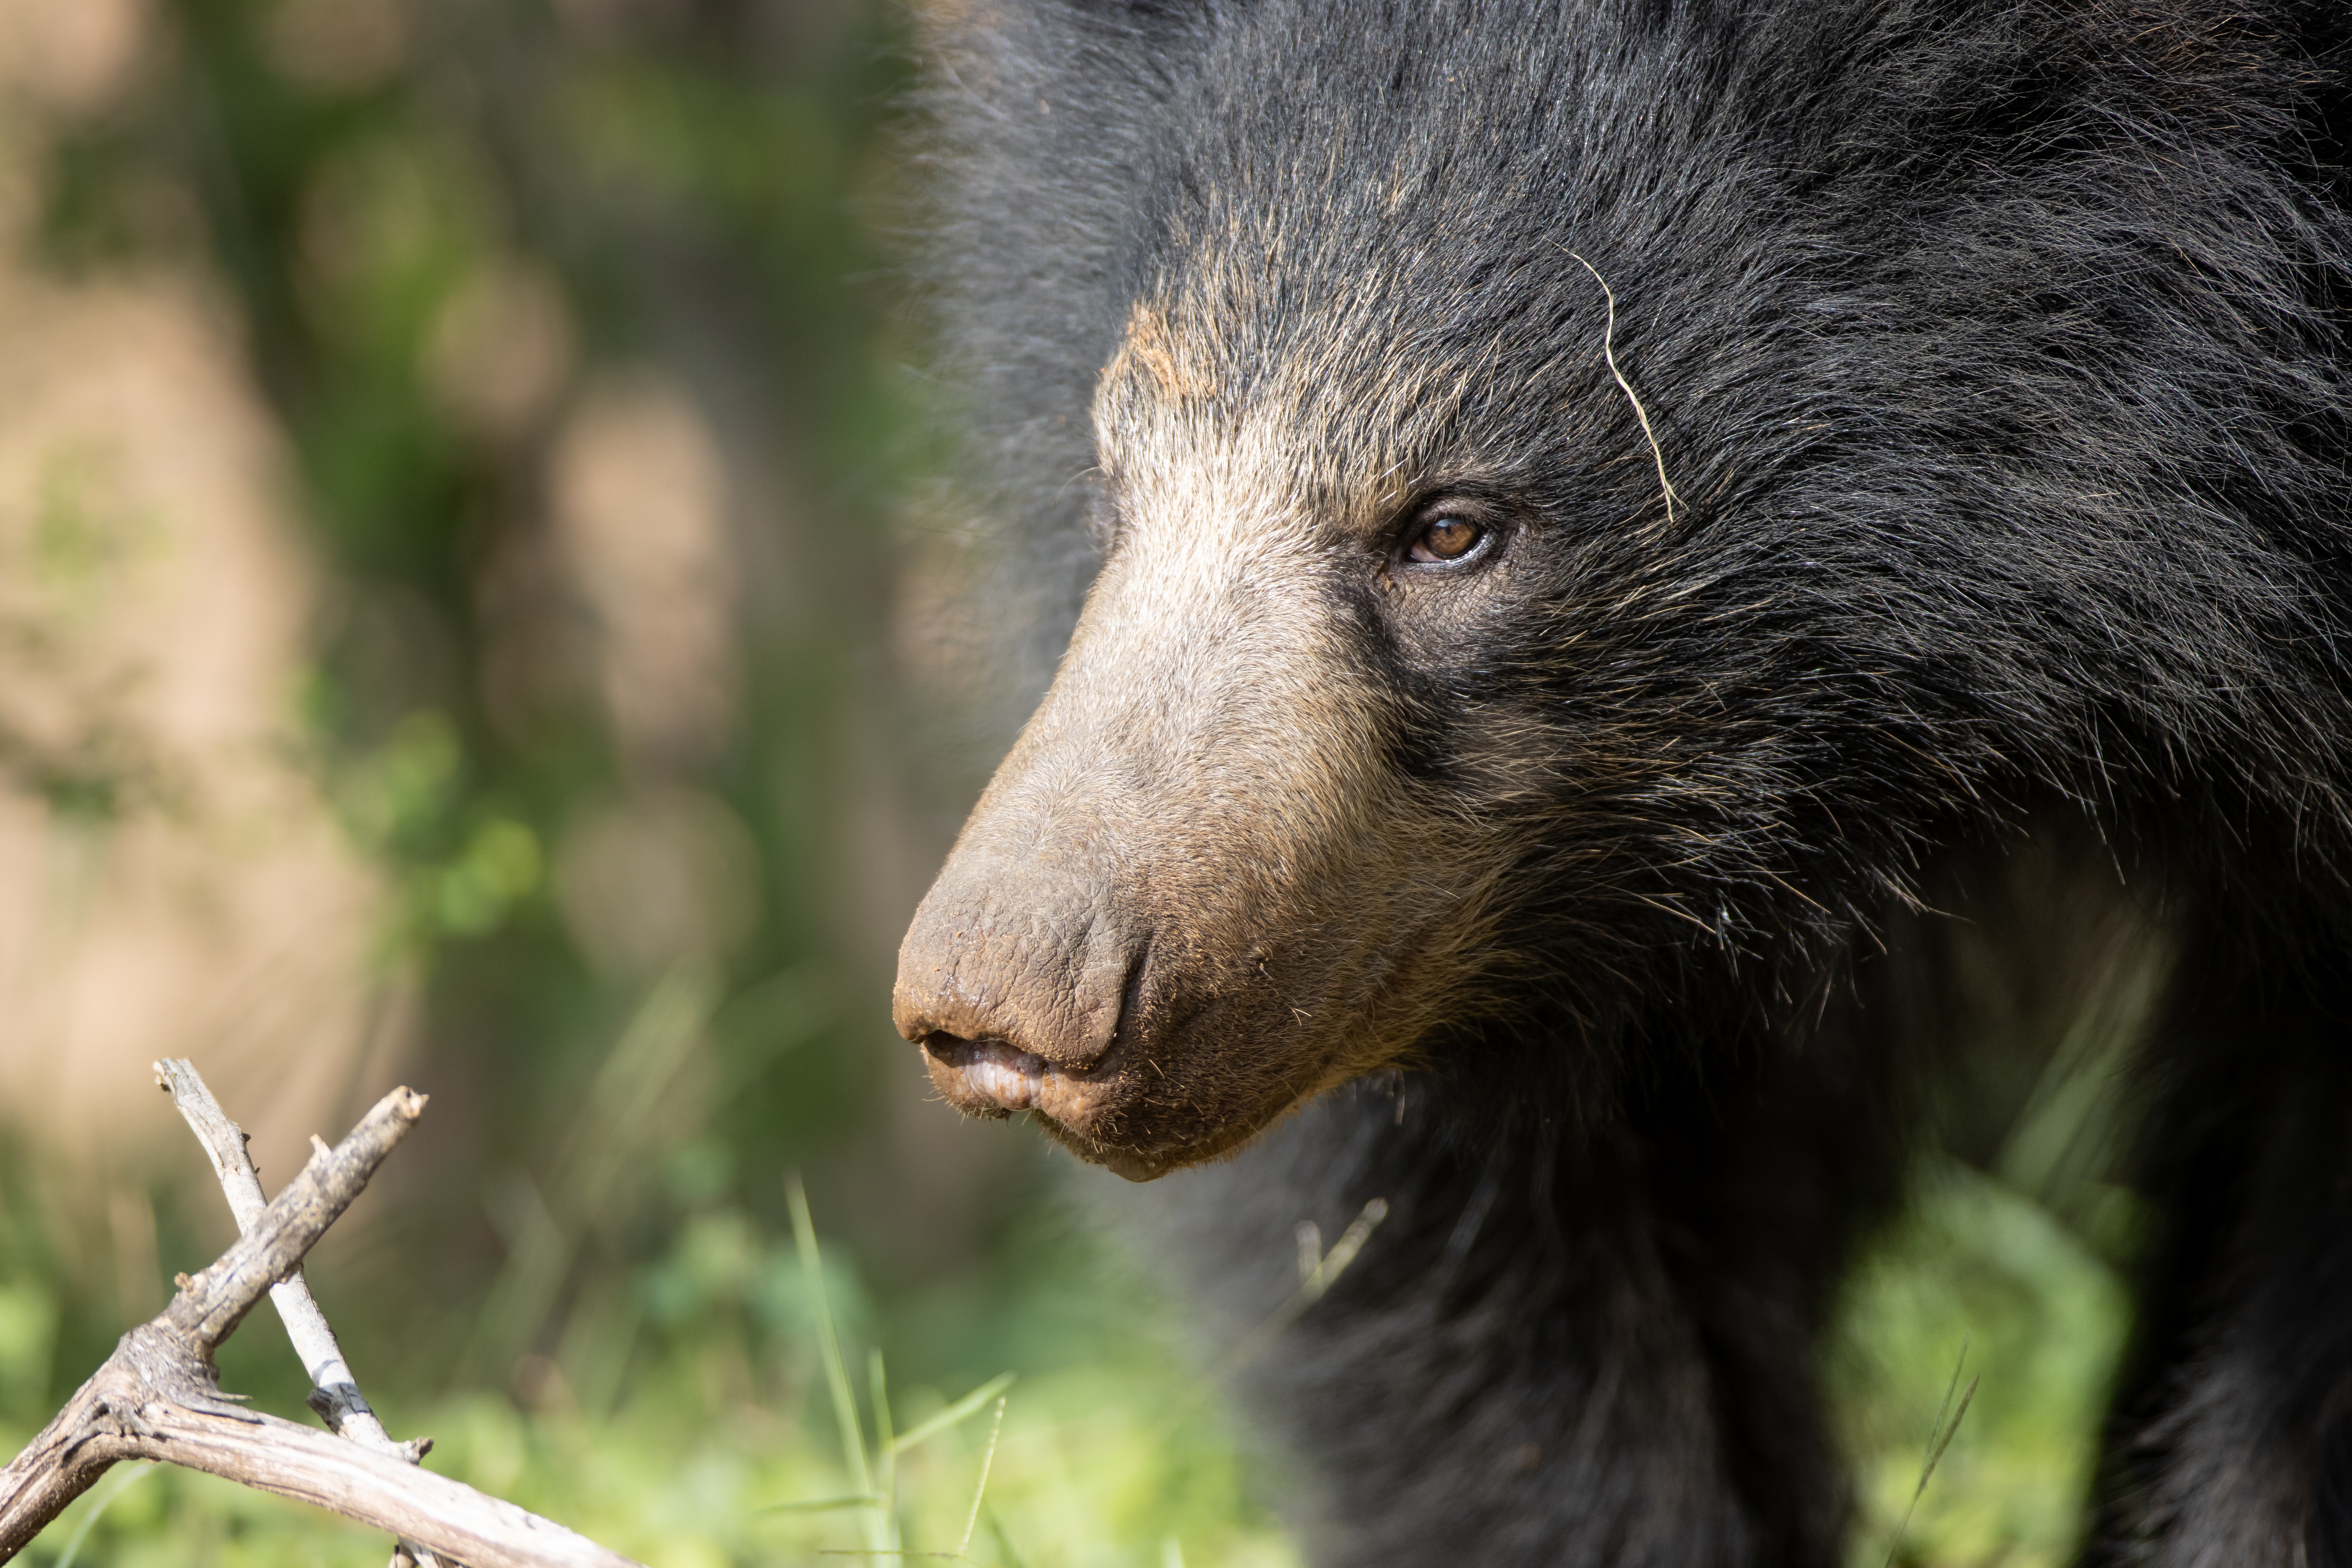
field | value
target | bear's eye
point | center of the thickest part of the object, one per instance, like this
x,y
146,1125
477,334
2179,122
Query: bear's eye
x,y
1446,540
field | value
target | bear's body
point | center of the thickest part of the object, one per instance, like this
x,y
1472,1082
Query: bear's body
x,y
1598,764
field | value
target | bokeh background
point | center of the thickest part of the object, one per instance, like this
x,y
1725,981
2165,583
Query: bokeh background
x,y
479,609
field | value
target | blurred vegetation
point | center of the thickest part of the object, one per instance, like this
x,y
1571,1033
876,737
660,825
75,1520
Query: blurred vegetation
x,y
516,279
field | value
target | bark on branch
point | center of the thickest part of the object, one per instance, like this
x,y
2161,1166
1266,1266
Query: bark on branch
x,y
159,1397
334,1391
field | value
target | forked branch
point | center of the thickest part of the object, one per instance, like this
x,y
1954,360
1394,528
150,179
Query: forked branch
x,y
158,1397
335,1395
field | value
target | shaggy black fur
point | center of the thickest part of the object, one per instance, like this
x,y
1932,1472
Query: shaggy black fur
x,y
1996,352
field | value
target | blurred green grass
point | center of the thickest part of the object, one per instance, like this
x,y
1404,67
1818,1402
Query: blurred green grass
x,y
1976,1269
702,1434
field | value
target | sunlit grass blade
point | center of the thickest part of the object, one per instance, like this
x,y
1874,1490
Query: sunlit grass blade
x,y
885,1454
1317,1276
987,1459
1936,1457
837,1371
875,1551
1939,1438
819,1504
877,1388
970,1403
1945,1409
1334,1263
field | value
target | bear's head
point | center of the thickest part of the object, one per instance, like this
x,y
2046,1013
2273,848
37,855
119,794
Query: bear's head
x,y
1214,876
1525,587
1492,653
1412,710
1346,742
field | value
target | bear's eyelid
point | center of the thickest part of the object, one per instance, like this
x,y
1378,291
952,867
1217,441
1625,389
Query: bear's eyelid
x,y
1490,521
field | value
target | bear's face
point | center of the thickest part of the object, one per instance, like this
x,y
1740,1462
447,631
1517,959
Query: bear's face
x,y
1571,554
1255,841
1408,716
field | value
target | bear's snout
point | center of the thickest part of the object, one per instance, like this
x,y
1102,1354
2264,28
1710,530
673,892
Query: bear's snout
x,y
1197,890
998,957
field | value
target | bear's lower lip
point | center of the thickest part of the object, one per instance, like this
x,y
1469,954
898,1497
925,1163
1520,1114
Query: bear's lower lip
x,y
994,1078
990,1077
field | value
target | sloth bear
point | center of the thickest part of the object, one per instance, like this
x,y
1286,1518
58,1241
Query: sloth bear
x,y
1601,535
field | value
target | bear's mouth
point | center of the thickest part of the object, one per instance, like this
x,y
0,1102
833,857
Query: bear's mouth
x,y
993,1077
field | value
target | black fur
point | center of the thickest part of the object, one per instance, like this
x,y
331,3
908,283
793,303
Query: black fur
x,y
1996,352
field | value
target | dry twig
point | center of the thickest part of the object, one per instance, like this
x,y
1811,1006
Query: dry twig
x,y
335,1395
159,1397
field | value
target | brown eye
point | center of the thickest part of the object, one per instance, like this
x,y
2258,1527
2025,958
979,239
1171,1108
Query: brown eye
x,y
1442,541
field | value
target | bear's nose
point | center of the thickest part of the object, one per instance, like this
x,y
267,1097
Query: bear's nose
x,y
1004,980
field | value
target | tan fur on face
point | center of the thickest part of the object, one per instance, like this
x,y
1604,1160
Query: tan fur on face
x,y
1147,346
1197,891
